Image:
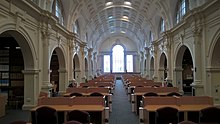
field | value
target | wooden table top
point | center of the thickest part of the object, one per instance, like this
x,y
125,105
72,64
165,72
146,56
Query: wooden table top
x,y
153,108
84,94
74,107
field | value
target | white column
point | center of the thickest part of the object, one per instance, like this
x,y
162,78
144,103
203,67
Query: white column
x,y
31,81
155,64
62,80
82,65
197,70
46,86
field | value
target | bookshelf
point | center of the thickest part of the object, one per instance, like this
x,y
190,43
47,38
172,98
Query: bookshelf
x,y
11,76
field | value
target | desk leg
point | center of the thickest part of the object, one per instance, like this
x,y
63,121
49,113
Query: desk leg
x,y
185,116
65,116
133,102
105,114
141,115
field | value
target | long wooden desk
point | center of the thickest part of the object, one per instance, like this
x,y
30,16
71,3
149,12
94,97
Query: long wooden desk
x,y
97,112
94,105
137,97
182,108
189,107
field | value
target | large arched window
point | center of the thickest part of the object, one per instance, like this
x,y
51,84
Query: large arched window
x,y
58,10
182,7
150,37
76,27
118,58
162,25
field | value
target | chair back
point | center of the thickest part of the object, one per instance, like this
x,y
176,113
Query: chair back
x,y
75,94
150,94
210,115
72,122
173,94
78,115
96,94
186,122
46,115
166,115
18,122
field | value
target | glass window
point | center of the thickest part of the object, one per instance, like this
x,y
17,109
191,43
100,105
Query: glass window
x,y
150,37
182,7
106,63
118,58
76,27
162,25
58,11
129,63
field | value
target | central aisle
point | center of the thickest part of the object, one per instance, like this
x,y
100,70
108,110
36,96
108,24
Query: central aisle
x,y
121,107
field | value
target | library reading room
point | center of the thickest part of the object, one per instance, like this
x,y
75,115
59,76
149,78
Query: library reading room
x,y
110,62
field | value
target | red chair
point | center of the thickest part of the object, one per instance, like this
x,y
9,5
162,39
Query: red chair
x,y
78,115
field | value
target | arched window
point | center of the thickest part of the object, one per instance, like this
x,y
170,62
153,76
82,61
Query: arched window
x,y
107,63
76,27
150,36
118,58
182,7
162,25
58,10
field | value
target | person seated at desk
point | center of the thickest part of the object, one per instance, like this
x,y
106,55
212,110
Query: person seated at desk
x,y
169,84
54,89
73,83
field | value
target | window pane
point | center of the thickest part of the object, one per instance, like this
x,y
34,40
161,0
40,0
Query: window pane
x,y
129,63
106,63
118,58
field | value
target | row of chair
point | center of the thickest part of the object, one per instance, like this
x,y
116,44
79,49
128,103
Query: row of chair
x,y
48,115
155,94
167,115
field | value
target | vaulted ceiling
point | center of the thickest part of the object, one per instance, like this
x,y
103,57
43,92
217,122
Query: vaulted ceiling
x,y
102,19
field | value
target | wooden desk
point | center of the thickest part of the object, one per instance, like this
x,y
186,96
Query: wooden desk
x,y
182,108
137,97
84,94
100,109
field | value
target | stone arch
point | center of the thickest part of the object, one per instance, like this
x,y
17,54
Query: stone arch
x,y
163,67
29,58
76,67
58,68
152,67
183,69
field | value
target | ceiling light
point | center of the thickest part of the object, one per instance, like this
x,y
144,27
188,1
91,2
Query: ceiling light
x,y
108,3
125,17
123,32
110,17
127,3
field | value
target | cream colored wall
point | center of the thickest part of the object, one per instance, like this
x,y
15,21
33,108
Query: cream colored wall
x,y
108,44
197,32
39,34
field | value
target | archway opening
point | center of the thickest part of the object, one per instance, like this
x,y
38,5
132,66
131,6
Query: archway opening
x,y
187,73
76,67
54,68
11,66
118,58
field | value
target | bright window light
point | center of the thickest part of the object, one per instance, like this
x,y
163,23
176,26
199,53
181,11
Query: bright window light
x,y
108,3
127,3
125,17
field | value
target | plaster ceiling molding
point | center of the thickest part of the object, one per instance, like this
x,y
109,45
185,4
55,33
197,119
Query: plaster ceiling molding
x,y
133,20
